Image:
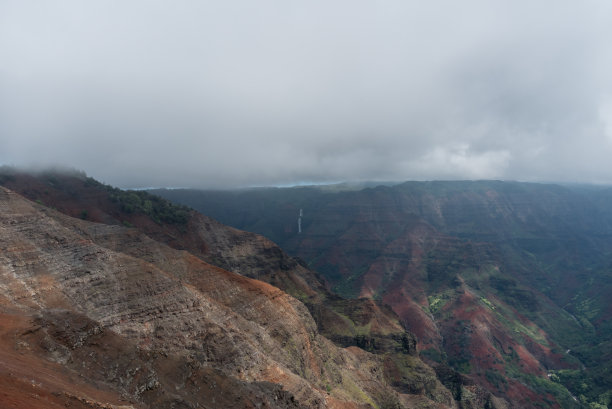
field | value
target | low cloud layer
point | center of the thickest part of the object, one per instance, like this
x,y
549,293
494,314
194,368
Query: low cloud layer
x,y
239,93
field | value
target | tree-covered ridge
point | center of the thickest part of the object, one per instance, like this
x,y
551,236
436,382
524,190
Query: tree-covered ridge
x,y
75,184
158,209
142,202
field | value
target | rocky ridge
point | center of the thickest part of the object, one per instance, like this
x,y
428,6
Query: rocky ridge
x,y
248,254
141,324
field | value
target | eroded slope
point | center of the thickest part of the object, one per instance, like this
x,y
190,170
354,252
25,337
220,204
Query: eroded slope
x,y
150,326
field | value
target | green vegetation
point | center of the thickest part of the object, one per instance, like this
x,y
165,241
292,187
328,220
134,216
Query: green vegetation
x,y
508,289
158,209
408,374
438,301
435,303
356,392
433,355
141,202
487,303
461,364
73,183
546,387
348,322
510,243
496,379
549,388
587,307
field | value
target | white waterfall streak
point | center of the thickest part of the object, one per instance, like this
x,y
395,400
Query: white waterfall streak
x,y
300,222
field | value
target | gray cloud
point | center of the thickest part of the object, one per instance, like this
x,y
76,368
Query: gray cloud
x,y
197,93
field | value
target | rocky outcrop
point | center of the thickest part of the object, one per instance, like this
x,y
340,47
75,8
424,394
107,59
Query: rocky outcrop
x,y
362,322
141,324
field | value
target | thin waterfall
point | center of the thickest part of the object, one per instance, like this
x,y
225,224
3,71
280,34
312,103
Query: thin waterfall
x,y
300,222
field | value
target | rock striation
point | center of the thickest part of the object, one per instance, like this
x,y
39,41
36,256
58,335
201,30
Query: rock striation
x,y
245,253
105,316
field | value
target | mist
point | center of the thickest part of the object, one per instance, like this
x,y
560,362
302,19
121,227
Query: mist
x,y
201,94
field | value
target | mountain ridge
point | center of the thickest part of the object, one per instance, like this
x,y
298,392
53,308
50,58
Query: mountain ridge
x,y
106,297
525,256
158,300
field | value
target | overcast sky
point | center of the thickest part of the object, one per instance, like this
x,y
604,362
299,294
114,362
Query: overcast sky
x,y
241,93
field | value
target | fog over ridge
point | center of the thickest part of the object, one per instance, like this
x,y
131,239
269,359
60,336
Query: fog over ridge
x,y
151,93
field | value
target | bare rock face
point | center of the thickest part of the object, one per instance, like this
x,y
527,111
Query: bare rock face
x,y
234,250
105,316
363,323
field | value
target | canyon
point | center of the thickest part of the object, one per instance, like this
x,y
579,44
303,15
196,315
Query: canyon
x,y
111,302
506,283
420,295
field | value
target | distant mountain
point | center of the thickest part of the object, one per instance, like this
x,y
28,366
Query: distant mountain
x,y
119,299
508,283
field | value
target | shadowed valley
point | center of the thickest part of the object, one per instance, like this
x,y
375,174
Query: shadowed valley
x,y
506,283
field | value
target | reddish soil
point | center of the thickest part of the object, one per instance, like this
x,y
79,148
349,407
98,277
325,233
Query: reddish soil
x,y
29,381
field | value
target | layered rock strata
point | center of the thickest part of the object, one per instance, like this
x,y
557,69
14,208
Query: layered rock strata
x,y
140,324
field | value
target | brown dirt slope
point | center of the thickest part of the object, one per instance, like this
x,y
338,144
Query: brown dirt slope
x,y
248,254
105,316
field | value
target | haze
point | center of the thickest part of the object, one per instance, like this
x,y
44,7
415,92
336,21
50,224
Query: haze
x,y
238,93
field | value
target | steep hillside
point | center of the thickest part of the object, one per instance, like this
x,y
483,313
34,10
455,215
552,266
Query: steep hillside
x,y
248,254
362,323
103,316
508,283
